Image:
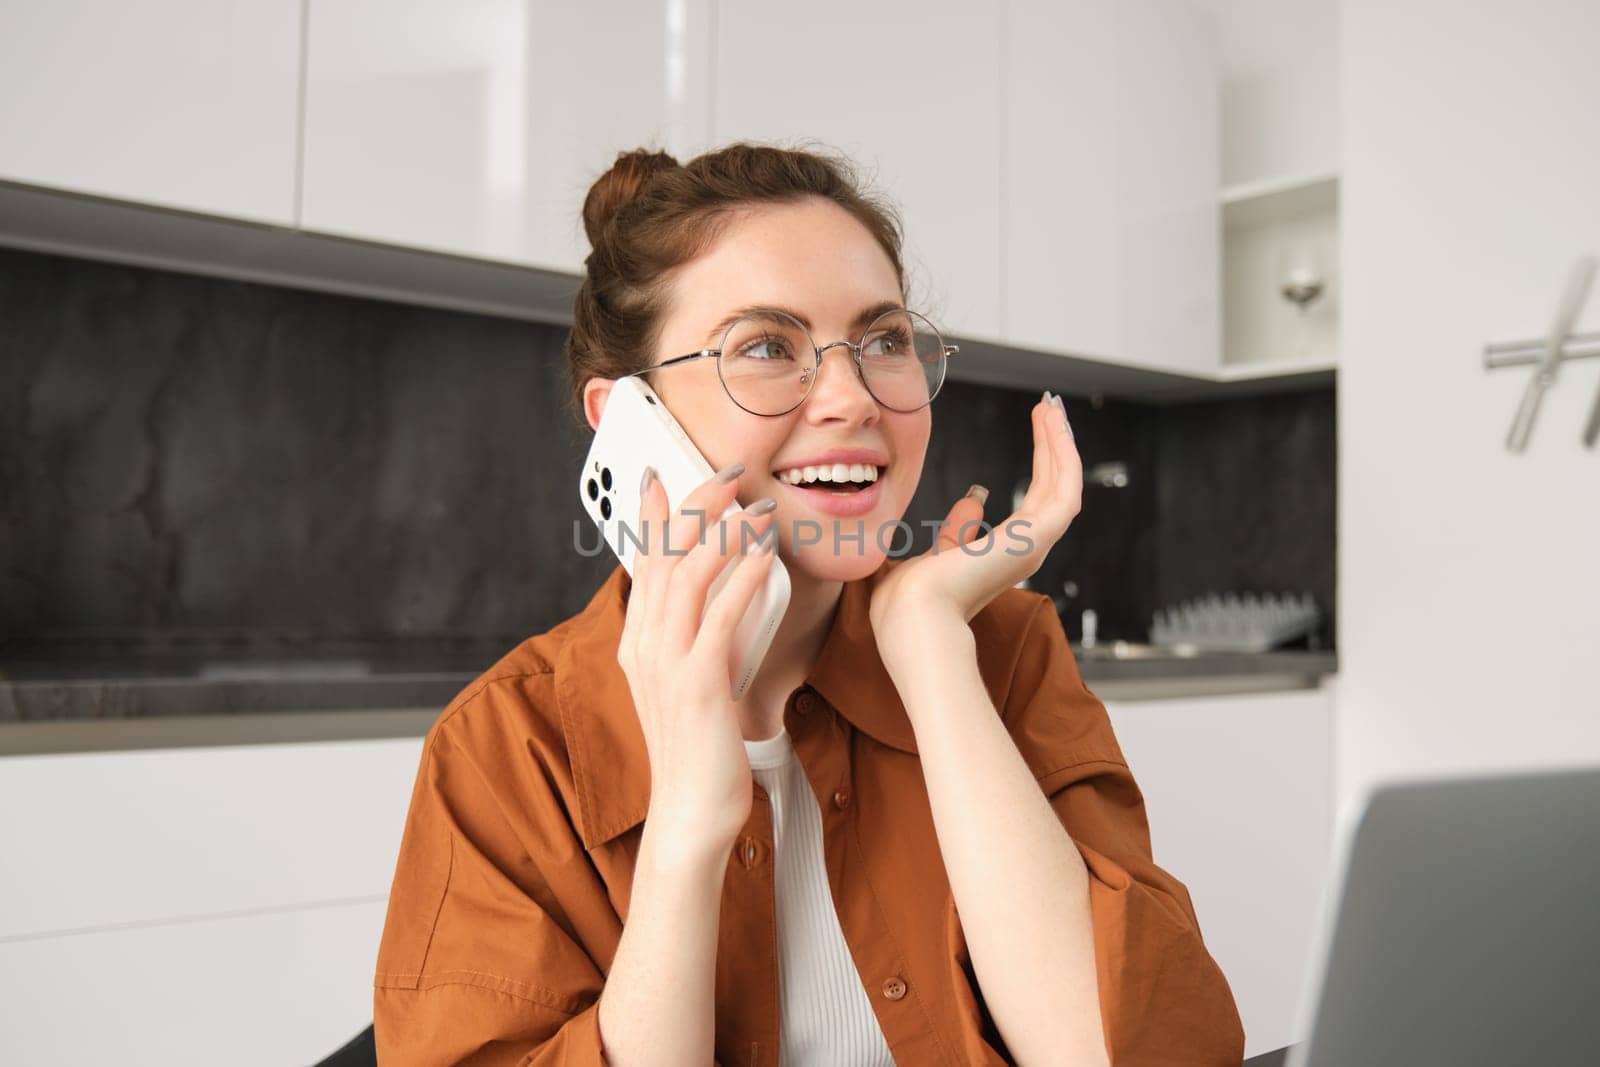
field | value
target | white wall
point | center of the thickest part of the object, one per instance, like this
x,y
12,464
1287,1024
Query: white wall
x,y
1469,577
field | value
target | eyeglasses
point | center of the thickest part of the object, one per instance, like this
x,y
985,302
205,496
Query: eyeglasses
x,y
768,362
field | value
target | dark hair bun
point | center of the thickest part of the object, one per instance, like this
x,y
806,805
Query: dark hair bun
x,y
619,185
648,215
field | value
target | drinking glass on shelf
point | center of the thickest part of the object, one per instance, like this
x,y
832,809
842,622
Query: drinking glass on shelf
x,y
1300,275
1301,280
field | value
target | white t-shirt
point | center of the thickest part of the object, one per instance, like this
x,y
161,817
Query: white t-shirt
x,y
826,1018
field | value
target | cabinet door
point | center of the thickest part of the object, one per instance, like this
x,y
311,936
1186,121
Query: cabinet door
x,y
256,988
1112,174
241,888
1238,790
197,831
911,92
188,104
477,127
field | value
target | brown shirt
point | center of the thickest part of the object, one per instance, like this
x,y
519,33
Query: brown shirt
x,y
515,868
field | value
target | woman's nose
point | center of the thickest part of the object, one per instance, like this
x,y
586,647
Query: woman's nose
x,y
839,389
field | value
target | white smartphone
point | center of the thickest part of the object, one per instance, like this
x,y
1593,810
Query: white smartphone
x,y
636,429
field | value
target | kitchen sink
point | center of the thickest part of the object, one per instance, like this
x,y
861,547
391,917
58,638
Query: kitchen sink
x,y
263,670
1128,650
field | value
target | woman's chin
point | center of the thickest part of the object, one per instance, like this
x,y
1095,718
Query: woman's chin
x,y
824,563
835,549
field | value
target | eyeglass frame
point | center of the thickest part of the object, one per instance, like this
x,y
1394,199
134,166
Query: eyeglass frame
x,y
947,351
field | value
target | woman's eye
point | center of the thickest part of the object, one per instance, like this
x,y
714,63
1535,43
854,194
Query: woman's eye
x,y
766,348
893,343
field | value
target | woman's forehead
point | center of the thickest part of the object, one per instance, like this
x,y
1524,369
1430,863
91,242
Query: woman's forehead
x,y
790,242
816,261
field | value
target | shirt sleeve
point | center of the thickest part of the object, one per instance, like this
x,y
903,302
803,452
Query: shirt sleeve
x,y
1163,999
479,963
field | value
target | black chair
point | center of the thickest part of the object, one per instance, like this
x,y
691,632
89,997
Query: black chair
x,y
361,1052
358,1052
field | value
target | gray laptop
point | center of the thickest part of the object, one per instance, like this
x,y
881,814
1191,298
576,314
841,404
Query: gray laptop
x,y
1463,927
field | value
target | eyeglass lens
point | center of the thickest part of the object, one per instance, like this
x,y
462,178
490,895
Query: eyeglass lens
x,y
768,361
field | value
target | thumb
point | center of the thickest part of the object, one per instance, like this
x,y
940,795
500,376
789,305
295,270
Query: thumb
x,y
967,510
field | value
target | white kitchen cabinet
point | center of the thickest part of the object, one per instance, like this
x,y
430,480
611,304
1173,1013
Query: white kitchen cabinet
x,y
1111,178
253,989
909,90
1056,164
188,104
1238,791
477,128
149,837
199,904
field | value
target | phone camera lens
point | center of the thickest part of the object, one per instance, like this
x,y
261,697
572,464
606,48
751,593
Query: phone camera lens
x,y
594,490
605,478
605,507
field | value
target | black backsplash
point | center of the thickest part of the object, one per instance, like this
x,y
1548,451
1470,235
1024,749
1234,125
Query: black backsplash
x,y
194,456
1228,495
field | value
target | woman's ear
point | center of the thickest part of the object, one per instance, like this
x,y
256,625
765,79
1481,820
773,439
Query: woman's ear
x,y
595,393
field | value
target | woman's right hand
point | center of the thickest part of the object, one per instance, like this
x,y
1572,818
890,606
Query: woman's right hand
x,y
674,651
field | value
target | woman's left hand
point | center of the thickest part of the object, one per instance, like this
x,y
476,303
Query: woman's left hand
x,y
962,573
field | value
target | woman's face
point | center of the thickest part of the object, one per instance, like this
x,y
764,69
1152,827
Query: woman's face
x,y
814,260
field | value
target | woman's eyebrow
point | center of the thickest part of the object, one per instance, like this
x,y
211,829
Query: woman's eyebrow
x,y
862,320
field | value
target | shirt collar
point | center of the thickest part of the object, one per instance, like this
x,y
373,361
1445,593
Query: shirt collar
x,y
610,763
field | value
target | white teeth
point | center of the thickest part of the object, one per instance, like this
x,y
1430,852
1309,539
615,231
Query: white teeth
x,y
836,472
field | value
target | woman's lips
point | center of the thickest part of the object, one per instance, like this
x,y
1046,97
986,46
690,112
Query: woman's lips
x,y
843,505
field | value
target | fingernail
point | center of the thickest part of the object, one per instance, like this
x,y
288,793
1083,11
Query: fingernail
x,y
1064,420
762,506
978,493
646,478
1045,396
729,473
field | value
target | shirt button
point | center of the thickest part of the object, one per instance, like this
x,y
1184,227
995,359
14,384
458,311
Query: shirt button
x,y
894,988
841,799
805,703
747,854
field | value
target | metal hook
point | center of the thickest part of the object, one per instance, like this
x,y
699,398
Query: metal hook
x,y
1579,280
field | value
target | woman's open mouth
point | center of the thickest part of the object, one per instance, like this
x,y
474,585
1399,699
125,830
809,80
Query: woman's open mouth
x,y
840,489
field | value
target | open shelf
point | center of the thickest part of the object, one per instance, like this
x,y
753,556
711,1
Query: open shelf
x,y
1276,368
1265,223
1265,202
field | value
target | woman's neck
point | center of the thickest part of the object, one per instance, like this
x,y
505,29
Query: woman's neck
x,y
793,652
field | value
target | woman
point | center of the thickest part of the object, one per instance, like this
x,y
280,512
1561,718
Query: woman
x,y
914,840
